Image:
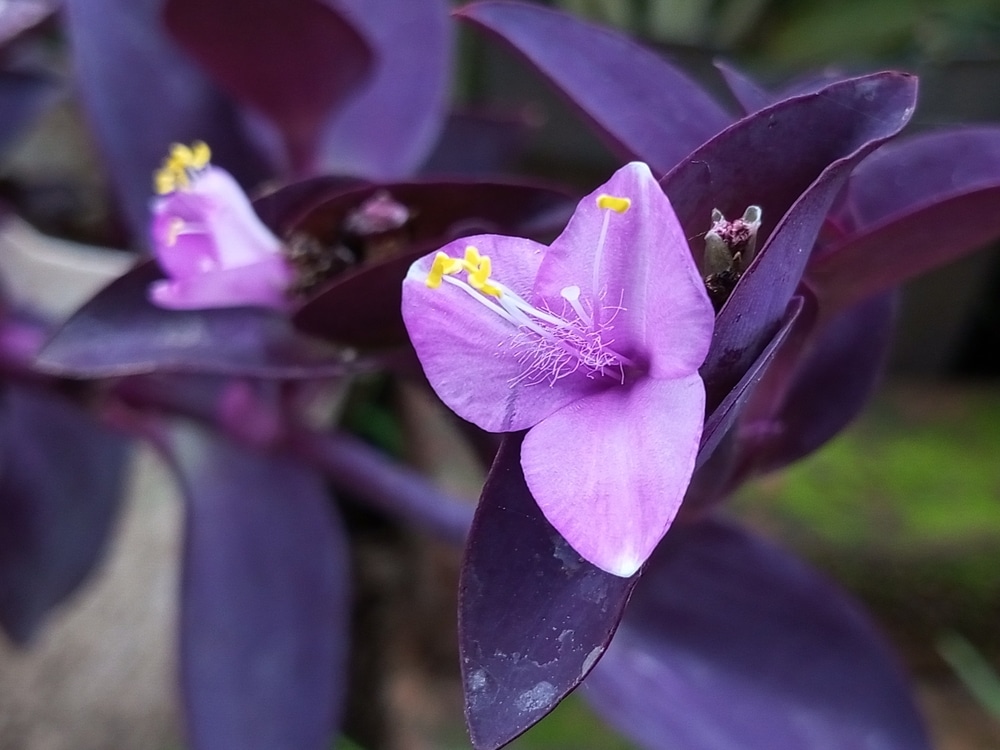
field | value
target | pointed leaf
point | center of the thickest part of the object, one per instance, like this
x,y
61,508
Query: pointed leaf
x,y
389,129
832,375
534,617
140,95
725,415
923,203
264,600
729,643
296,62
791,159
120,332
645,108
361,307
750,95
60,482
924,170
479,144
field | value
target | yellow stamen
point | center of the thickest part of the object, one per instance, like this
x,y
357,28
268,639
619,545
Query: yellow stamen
x,y
444,265
180,165
478,267
614,203
479,277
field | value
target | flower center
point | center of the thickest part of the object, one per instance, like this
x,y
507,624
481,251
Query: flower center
x,y
181,166
551,343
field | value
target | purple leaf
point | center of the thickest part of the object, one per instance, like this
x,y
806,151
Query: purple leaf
x,y
730,643
725,415
534,617
389,129
477,144
296,62
645,108
790,159
921,204
750,95
832,377
281,209
119,332
362,306
140,95
59,492
924,170
264,600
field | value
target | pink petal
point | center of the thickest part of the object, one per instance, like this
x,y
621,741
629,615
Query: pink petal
x,y
260,284
470,354
610,470
646,266
240,236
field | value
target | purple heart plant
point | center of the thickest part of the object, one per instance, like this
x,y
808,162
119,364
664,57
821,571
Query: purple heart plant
x,y
640,357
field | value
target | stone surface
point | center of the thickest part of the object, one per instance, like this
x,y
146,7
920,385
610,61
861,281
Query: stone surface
x,y
100,675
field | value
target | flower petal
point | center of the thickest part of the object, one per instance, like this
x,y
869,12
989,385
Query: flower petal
x,y
645,267
609,472
222,209
469,352
261,284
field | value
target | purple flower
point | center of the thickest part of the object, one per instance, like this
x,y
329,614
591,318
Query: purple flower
x,y
208,240
593,346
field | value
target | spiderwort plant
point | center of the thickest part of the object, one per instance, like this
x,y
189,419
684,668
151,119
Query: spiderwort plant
x,y
209,241
592,345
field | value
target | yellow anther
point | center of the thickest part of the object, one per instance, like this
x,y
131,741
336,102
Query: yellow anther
x,y
479,277
181,162
164,182
201,154
444,265
614,203
472,258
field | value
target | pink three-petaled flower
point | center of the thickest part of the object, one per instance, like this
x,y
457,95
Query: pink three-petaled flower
x,y
209,242
592,345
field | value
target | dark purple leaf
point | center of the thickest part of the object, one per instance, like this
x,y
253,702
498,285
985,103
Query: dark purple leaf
x,y
60,481
474,145
879,258
140,95
724,416
750,95
917,205
23,96
388,131
790,159
729,644
362,306
294,61
534,617
924,170
283,208
119,332
264,600
833,375
643,106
